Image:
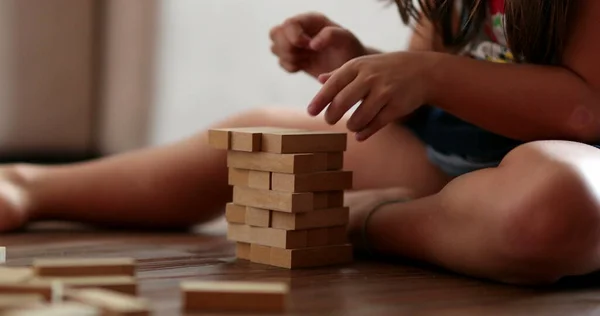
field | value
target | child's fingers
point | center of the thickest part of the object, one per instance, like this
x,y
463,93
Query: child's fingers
x,y
324,77
383,118
295,34
366,112
345,100
338,80
328,36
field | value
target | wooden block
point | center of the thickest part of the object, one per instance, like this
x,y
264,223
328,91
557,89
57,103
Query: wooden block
x,y
317,237
330,199
271,200
219,139
57,309
234,296
284,163
337,235
260,254
122,284
250,178
242,250
287,142
335,161
238,232
110,302
311,257
258,217
312,182
12,301
15,275
2,254
317,219
44,290
288,239
235,213
84,266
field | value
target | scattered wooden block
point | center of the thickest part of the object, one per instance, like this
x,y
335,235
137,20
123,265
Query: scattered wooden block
x,y
122,284
258,217
312,182
242,250
110,302
317,219
12,301
288,239
238,232
84,266
235,213
285,163
317,237
2,254
230,296
56,309
250,178
44,290
286,142
15,275
326,200
311,257
260,254
272,200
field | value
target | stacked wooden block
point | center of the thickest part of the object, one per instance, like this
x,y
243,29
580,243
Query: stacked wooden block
x,y
288,203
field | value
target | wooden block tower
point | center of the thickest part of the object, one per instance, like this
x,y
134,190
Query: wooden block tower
x,y
288,203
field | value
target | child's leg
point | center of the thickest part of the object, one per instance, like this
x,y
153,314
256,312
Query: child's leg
x,y
535,218
186,183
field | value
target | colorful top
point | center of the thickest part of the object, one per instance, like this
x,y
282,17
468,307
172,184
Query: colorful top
x,y
491,45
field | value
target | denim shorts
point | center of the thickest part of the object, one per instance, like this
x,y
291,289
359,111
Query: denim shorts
x,y
456,146
455,165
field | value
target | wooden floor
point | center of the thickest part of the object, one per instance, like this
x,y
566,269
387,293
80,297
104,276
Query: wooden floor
x,y
362,288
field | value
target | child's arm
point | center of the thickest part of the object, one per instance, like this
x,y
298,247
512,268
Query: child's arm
x,y
526,102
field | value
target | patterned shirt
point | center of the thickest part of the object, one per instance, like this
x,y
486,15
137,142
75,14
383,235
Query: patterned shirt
x,y
491,44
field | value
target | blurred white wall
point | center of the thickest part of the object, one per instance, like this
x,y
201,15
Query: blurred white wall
x,y
214,58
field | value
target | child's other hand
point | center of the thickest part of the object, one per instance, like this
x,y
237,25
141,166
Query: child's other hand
x,y
390,87
313,43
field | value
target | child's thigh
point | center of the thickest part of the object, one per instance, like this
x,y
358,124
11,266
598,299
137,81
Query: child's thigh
x,y
391,158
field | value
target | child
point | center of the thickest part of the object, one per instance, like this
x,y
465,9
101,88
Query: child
x,y
453,155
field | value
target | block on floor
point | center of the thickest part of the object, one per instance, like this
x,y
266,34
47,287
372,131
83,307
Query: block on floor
x,y
283,142
258,217
56,309
44,290
316,219
15,274
311,257
271,237
110,302
11,301
284,163
84,266
271,200
238,232
260,254
329,199
234,296
122,284
242,250
235,213
312,182
249,178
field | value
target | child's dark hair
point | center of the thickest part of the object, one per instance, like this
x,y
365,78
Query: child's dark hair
x,y
536,30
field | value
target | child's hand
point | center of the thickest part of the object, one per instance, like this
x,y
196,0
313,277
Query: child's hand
x,y
390,87
313,43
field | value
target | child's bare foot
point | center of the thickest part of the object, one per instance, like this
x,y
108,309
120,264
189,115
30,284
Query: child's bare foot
x,y
361,203
14,200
